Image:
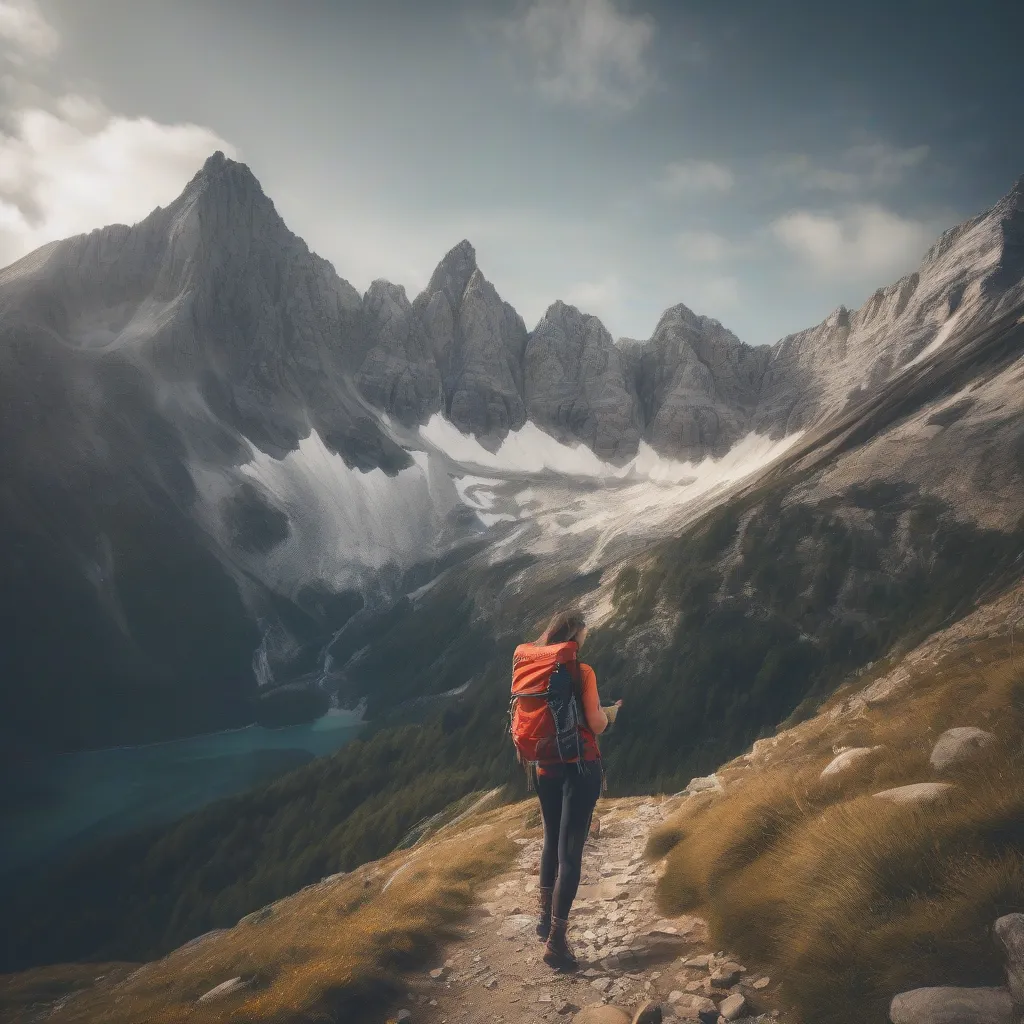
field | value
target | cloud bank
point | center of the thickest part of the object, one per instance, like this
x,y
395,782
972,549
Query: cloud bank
x,y
585,52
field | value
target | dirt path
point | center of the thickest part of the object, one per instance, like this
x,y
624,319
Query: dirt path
x,y
628,953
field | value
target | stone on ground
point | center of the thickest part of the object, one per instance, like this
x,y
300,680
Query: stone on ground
x,y
690,1007
955,746
1010,935
916,793
846,759
948,1005
514,926
599,1013
727,975
225,988
733,1007
705,784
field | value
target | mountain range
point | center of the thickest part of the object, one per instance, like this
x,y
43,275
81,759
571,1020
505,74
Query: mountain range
x,y
226,473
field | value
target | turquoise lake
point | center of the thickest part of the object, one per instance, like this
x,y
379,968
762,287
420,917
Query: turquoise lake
x,y
96,794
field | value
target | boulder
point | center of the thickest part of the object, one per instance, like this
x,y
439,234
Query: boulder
x,y
599,1013
705,784
916,793
846,759
726,975
691,1007
1010,935
733,1007
947,1005
955,746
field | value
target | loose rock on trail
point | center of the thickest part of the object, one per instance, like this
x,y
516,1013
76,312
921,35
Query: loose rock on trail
x,y
628,952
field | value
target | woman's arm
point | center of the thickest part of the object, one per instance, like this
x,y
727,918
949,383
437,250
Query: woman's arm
x,y
597,720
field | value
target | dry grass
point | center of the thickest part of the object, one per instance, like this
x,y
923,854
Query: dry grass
x,y
26,994
848,899
333,952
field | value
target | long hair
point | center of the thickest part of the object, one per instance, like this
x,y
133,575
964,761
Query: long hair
x,y
563,626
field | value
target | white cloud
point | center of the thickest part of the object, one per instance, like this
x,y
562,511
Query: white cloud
x,y
859,168
585,52
864,239
77,167
24,31
703,246
700,176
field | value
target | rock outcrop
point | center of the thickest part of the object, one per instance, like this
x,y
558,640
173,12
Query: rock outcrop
x,y
576,384
698,385
478,342
398,372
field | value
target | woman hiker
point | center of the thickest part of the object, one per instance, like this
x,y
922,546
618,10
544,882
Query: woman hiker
x,y
556,720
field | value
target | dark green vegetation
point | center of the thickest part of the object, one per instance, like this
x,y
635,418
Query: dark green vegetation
x,y
155,890
777,603
751,618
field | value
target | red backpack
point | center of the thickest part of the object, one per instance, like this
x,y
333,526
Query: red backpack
x,y
545,710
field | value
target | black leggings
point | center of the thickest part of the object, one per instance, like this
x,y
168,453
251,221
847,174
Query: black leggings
x,y
567,800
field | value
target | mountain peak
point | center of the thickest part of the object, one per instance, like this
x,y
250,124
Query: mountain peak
x,y
562,310
453,273
1013,201
228,196
839,317
219,168
216,162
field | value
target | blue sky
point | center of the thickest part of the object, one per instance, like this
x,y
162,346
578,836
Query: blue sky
x,y
760,162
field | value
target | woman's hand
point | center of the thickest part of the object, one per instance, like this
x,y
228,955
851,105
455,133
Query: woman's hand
x,y
611,711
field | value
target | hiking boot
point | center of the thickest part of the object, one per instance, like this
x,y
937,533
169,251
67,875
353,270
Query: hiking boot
x,y
648,1013
544,922
557,953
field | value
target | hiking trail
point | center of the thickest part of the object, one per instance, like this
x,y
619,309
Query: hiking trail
x,y
628,952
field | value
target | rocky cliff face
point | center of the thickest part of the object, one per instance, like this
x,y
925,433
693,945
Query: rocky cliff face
x,y
173,396
969,276
698,385
693,389
578,386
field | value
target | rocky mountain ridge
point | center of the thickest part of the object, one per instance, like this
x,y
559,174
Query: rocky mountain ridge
x,y
693,389
174,397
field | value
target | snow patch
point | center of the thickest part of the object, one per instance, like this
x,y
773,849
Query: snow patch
x,y
342,522
531,450
527,450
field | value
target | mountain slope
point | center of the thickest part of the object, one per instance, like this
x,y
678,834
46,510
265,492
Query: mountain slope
x,y
241,458
770,594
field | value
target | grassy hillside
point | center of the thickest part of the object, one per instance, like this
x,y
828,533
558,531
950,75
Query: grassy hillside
x,y
850,899
332,951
